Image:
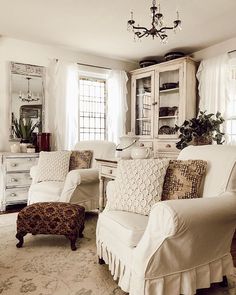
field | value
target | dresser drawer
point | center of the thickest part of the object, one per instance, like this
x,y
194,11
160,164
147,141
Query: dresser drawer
x,y
16,195
18,179
171,156
166,146
20,164
147,144
109,171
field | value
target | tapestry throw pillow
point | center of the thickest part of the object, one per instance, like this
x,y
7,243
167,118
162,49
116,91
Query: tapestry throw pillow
x,y
183,179
53,166
80,159
138,185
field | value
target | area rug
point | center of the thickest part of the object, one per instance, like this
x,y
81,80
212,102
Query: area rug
x,y
47,266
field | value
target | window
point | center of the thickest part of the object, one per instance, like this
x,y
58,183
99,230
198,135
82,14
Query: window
x,y
231,108
92,108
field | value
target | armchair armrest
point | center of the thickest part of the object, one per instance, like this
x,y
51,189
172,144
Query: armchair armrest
x,y
75,178
187,233
110,191
33,173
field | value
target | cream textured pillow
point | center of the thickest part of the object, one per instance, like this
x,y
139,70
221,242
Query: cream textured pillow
x,y
53,166
138,185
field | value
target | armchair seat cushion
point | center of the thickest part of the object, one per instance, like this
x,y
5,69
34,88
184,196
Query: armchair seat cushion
x,y
130,226
47,191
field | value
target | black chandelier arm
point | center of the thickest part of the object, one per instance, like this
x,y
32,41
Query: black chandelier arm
x,y
159,35
163,29
140,35
140,28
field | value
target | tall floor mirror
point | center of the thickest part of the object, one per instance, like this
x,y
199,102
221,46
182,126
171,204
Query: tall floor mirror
x,y
27,99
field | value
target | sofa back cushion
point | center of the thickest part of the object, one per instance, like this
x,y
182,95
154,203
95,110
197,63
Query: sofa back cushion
x,y
221,169
53,166
183,179
101,149
138,185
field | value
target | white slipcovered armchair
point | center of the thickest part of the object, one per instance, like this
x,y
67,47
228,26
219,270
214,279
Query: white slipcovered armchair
x,y
183,245
81,186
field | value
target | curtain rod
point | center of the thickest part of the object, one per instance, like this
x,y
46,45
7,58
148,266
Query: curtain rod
x,y
232,51
93,66
88,65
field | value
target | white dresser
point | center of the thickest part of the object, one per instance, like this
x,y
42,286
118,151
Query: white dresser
x,y
15,177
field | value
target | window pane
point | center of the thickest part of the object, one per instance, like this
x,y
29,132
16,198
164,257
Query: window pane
x,y
92,109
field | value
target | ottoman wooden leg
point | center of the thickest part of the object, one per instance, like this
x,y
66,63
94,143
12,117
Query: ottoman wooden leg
x,y
81,231
72,239
101,261
20,237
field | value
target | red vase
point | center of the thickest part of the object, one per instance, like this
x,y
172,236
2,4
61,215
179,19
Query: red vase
x,y
43,142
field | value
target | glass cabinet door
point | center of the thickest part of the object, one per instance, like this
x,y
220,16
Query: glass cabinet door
x,y
169,103
143,109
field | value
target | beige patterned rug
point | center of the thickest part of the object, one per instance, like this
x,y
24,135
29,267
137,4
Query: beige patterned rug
x,y
47,266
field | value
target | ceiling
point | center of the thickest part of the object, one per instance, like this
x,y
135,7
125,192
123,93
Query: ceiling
x,y
99,27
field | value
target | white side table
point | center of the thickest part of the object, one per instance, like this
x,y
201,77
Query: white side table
x,y
107,171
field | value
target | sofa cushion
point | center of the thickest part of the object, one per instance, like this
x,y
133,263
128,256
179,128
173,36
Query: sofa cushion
x,y
138,185
80,159
130,226
183,179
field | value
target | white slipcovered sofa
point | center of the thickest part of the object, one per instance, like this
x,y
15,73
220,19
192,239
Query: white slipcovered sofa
x,y
81,186
183,245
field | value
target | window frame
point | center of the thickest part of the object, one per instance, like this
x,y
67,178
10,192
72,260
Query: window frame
x,y
93,78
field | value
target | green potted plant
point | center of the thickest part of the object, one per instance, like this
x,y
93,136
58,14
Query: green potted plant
x,y
24,129
201,130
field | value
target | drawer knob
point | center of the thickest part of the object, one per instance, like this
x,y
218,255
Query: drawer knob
x,y
12,194
13,165
14,180
168,146
110,171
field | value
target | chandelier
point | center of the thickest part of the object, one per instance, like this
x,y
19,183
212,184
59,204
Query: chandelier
x,y
158,29
29,97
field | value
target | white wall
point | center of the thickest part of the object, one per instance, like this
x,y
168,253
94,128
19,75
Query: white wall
x,y
214,50
38,54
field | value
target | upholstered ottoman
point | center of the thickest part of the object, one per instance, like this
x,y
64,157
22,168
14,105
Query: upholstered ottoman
x,y
55,218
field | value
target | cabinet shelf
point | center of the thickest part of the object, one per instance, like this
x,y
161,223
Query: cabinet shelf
x,y
169,90
144,94
168,136
168,117
143,119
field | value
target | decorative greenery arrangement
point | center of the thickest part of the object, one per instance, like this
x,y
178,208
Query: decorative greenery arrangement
x,y
201,130
24,128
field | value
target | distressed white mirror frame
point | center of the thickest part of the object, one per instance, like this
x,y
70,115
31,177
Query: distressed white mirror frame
x,y
31,71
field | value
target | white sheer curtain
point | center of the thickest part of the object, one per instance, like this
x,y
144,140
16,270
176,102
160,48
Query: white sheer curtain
x,y
63,95
231,105
117,104
213,80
